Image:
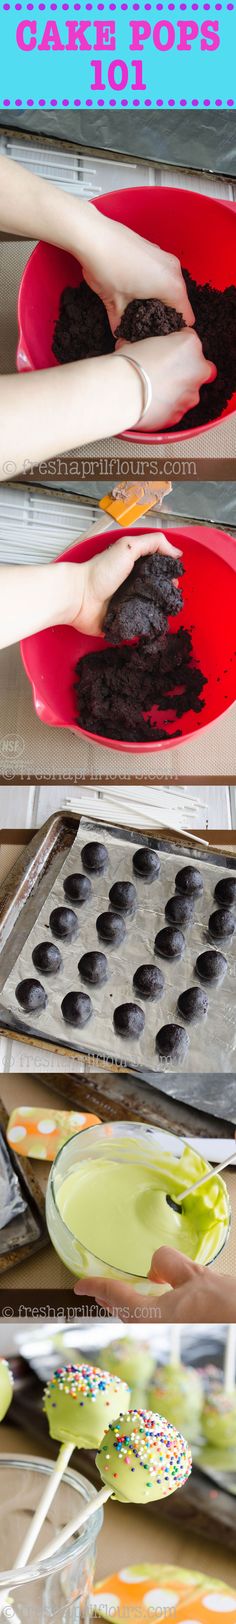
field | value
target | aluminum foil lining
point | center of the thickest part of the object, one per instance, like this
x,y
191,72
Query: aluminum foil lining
x,y
212,1041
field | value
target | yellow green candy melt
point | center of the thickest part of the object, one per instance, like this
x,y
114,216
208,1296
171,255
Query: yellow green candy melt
x,y
143,1458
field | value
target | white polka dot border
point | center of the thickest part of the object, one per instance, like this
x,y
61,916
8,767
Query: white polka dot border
x,y
16,1134
160,1598
219,1603
47,1125
108,1601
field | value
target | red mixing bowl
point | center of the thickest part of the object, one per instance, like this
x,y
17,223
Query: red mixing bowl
x,y
200,230
209,610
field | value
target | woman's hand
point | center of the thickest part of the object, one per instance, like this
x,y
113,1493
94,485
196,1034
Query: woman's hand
x,y
103,574
198,1296
177,369
120,266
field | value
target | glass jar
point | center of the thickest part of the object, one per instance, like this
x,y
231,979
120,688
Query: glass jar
x,y
127,1143
57,1591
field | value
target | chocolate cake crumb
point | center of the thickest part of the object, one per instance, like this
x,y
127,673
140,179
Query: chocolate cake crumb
x,y
119,689
82,328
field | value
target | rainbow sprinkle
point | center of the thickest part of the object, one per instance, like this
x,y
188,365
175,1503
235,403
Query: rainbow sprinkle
x,y
80,1382
154,1444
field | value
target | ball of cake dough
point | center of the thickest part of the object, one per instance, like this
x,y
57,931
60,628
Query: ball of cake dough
x,y
111,928
193,1003
146,863
218,1419
123,895
78,888
211,966
76,1008
189,880
93,967
64,923
148,981
6,1388
170,942
225,891
46,957
31,995
179,909
221,923
94,857
142,1458
176,1393
129,1020
79,1401
172,1042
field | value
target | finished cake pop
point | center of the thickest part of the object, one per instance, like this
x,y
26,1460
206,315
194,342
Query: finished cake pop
x,y
143,1458
134,1363
176,1391
79,1401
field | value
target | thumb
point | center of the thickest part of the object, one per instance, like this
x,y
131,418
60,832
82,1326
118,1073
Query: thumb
x,y
169,1266
115,308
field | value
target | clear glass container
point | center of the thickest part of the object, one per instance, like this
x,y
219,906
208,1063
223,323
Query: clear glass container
x,y
127,1141
57,1591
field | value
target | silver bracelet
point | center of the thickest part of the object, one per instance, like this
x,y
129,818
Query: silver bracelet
x,y
147,387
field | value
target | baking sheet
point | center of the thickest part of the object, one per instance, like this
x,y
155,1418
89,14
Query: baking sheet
x,y
98,1037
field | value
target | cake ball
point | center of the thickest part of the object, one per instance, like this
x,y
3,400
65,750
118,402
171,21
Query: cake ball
x,y
31,995
129,1020
78,888
123,896
189,880
170,942
179,909
193,1003
111,928
6,1388
211,966
94,857
146,863
64,923
148,981
225,891
221,923
46,957
172,1042
176,1393
93,967
80,1401
143,1458
76,1008
218,1420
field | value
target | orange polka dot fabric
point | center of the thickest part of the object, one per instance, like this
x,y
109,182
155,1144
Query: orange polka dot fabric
x,y
145,1595
42,1132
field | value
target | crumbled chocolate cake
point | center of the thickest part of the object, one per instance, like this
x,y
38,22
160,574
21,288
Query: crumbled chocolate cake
x,y
143,602
215,319
117,689
82,328
148,318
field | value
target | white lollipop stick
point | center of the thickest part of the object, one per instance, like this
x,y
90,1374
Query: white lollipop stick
x,y
35,1526
229,1367
76,1523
